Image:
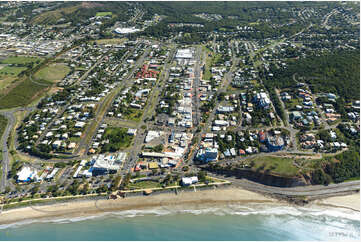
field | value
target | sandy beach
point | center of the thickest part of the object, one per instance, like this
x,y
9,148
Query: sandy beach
x,y
168,200
351,201
185,200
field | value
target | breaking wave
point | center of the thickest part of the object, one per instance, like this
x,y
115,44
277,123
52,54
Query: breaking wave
x,y
331,216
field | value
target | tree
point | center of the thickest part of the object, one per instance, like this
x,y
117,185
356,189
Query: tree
x,y
202,176
126,180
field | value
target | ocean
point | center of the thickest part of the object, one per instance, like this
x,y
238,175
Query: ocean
x,y
227,222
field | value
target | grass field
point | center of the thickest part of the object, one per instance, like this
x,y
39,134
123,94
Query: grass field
x,y
20,60
11,71
53,72
276,165
102,14
5,83
23,94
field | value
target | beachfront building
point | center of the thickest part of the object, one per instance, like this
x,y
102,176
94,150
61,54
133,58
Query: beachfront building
x,y
104,164
27,174
186,181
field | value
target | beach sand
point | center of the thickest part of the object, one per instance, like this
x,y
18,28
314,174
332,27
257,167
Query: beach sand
x,y
166,200
184,200
348,201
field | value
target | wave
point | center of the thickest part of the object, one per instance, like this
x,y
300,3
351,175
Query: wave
x,y
330,216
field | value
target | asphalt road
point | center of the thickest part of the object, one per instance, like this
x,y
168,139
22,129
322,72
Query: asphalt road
x,y
9,114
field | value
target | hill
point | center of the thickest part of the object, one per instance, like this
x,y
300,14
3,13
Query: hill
x,y
337,72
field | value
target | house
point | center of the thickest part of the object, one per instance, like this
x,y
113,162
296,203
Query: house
x,y
56,144
295,115
79,124
71,145
221,123
132,132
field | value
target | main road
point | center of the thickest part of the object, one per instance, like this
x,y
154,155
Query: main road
x,y
9,115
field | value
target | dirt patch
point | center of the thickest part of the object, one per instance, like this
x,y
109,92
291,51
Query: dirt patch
x,y
55,90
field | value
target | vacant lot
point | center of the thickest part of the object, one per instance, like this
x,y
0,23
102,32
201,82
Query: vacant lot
x,y
53,72
133,114
118,139
23,94
276,165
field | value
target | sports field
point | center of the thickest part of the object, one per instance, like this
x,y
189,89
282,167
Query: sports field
x,y
53,72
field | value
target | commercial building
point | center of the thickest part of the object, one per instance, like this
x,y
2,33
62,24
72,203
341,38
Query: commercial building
x,y
104,165
207,155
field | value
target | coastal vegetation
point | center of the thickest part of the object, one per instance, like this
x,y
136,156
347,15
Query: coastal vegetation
x,y
273,164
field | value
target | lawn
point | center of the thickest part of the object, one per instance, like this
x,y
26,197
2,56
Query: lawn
x,y
22,94
11,71
102,14
20,60
144,185
53,72
118,139
276,165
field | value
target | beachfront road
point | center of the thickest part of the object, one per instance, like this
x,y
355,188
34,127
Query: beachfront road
x,y
310,191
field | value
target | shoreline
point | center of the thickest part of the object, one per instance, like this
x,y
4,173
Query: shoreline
x,y
189,200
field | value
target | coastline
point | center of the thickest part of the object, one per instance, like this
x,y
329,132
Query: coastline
x,y
184,201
